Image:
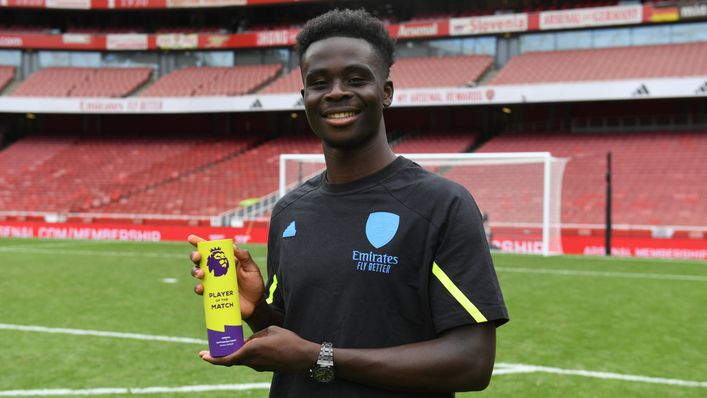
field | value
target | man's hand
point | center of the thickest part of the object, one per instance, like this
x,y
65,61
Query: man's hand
x,y
271,349
250,282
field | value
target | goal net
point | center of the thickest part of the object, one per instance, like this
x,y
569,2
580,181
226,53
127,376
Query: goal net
x,y
519,192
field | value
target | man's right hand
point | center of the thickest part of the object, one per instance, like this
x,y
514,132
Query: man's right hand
x,y
251,287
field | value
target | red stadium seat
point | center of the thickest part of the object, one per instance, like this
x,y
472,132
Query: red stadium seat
x,y
83,82
212,81
658,177
673,60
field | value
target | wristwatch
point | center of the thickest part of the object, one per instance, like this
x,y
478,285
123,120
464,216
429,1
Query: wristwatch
x,y
323,371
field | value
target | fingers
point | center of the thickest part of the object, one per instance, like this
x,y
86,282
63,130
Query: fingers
x,y
260,333
245,260
242,255
228,360
193,239
206,356
197,272
199,289
195,258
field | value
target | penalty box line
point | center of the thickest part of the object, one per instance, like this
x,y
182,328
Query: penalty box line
x,y
548,271
99,333
611,274
499,369
134,391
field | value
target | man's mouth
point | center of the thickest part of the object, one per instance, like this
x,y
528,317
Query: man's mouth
x,y
340,115
341,118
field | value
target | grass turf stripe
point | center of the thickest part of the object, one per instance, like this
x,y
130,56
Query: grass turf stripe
x,y
611,274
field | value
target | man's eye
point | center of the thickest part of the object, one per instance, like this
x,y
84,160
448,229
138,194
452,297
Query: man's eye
x,y
318,83
357,80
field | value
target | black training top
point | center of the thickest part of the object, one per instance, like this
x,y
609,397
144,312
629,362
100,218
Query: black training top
x,y
393,258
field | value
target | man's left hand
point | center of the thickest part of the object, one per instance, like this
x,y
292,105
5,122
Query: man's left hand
x,y
271,349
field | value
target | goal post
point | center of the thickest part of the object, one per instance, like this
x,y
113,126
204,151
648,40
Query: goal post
x,y
520,192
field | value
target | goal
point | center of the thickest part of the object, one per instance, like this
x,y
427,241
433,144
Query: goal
x,y
519,192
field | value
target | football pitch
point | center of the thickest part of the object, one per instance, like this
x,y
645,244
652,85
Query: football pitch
x,y
118,319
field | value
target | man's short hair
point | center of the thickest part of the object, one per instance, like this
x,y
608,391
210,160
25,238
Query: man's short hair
x,y
357,24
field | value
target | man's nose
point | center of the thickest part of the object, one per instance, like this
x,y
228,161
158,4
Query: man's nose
x,y
338,91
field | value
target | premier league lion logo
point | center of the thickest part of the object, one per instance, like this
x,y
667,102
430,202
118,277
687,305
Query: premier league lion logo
x,y
217,262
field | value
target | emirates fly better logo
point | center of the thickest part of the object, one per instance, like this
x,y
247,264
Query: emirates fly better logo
x,y
381,228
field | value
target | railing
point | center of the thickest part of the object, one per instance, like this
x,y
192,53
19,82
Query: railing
x,y
256,211
62,217
621,124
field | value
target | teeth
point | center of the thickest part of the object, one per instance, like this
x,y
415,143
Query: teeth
x,y
340,115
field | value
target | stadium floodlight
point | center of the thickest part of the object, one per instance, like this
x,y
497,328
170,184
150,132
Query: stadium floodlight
x,y
520,192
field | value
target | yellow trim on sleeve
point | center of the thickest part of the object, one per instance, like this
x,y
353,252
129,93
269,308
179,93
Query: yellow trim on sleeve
x,y
457,294
271,295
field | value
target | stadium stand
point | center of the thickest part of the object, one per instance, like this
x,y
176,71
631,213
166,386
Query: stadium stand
x,y
438,142
566,5
289,83
658,177
7,73
195,81
112,82
673,60
454,71
104,30
219,187
24,29
83,82
190,29
75,174
416,72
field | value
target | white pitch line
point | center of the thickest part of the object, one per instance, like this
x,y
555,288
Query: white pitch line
x,y
603,375
548,271
500,368
34,245
99,333
146,390
97,253
632,275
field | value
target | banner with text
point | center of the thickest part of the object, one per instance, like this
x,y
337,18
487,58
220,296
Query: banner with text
x,y
691,87
126,232
591,17
488,25
678,249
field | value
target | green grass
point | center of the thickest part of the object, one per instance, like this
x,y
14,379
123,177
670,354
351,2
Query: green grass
x,y
626,316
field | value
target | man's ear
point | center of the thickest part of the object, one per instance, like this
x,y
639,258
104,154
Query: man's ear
x,y
388,91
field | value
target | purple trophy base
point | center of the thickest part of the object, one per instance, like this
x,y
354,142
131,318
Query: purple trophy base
x,y
226,342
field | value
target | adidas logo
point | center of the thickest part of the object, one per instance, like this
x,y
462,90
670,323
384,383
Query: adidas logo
x,y
641,91
290,231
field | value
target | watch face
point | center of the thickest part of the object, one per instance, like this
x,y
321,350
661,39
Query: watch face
x,y
323,375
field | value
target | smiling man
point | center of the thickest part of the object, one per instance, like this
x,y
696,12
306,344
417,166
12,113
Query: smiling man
x,y
380,282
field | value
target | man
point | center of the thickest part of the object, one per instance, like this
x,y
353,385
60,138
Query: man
x,y
380,282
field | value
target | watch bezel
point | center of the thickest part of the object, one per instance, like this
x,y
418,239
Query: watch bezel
x,y
323,374
323,371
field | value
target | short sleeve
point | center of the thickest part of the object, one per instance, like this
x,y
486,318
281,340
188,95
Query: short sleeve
x,y
273,292
464,288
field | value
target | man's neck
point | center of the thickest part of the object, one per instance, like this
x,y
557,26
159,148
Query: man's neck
x,y
346,165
